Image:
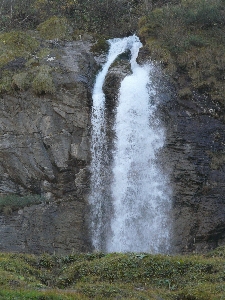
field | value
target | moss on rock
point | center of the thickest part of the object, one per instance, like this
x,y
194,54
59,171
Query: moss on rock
x,y
54,28
188,39
21,81
43,82
16,44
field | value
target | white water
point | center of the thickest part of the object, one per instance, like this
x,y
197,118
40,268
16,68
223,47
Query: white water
x,y
139,217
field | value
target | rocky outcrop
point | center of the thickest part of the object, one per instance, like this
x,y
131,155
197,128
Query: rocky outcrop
x,y
194,154
44,150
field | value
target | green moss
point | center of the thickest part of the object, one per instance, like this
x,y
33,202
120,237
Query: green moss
x,y
21,81
185,93
217,160
43,82
16,44
6,82
54,28
9,203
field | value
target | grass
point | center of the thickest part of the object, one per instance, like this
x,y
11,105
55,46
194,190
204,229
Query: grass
x,y
16,44
188,38
10,203
23,63
113,276
54,28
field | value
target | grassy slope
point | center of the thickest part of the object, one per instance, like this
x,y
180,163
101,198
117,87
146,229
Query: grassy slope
x,y
113,276
188,39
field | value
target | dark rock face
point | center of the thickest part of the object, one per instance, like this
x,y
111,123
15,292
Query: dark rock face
x,y
45,150
194,155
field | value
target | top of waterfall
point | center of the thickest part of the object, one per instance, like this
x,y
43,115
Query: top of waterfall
x,y
117,47
120,45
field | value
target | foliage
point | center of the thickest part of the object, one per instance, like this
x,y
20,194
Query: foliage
x,y
99,16
112,276
188,38
43,82
53,28
16,44
9,203
101,45
21,80
6,82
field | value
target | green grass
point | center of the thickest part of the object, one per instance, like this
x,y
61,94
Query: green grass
x,y
188,38
23,63
54,28
9,203
113,276
16,44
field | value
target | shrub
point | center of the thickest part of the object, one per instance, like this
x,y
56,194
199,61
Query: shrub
x,y
101,46
43,82
207,13
188,37
16,44
185,93
9,203
21,80
6,82
54,28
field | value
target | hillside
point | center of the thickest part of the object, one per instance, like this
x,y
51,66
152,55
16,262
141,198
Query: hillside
x,y
188,40
112,276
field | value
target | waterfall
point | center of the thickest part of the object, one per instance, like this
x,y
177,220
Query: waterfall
x,y
130,212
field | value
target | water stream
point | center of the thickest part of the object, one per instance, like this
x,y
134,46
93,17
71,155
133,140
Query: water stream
x,y
129,212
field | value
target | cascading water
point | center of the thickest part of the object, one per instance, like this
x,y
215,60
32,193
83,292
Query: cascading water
x,y
139,218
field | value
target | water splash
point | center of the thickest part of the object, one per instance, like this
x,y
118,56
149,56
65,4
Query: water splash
x,y
140,205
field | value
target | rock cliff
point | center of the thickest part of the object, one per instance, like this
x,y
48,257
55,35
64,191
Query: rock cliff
x,y
44,150
194,152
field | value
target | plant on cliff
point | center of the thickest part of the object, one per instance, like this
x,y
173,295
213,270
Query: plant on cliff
x,y
188,38
16,44
53,28
9,203
43,82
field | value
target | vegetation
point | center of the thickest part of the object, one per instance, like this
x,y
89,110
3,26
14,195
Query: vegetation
x,y
43,82
9,203
53,28
188,38
99,16
23,61
16,44
101,45
113,276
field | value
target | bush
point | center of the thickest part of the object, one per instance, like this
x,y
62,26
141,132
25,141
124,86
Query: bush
x,y
43,82
207,13
54,28
189,38
6,82
9,203
101,46
21,80
16,44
